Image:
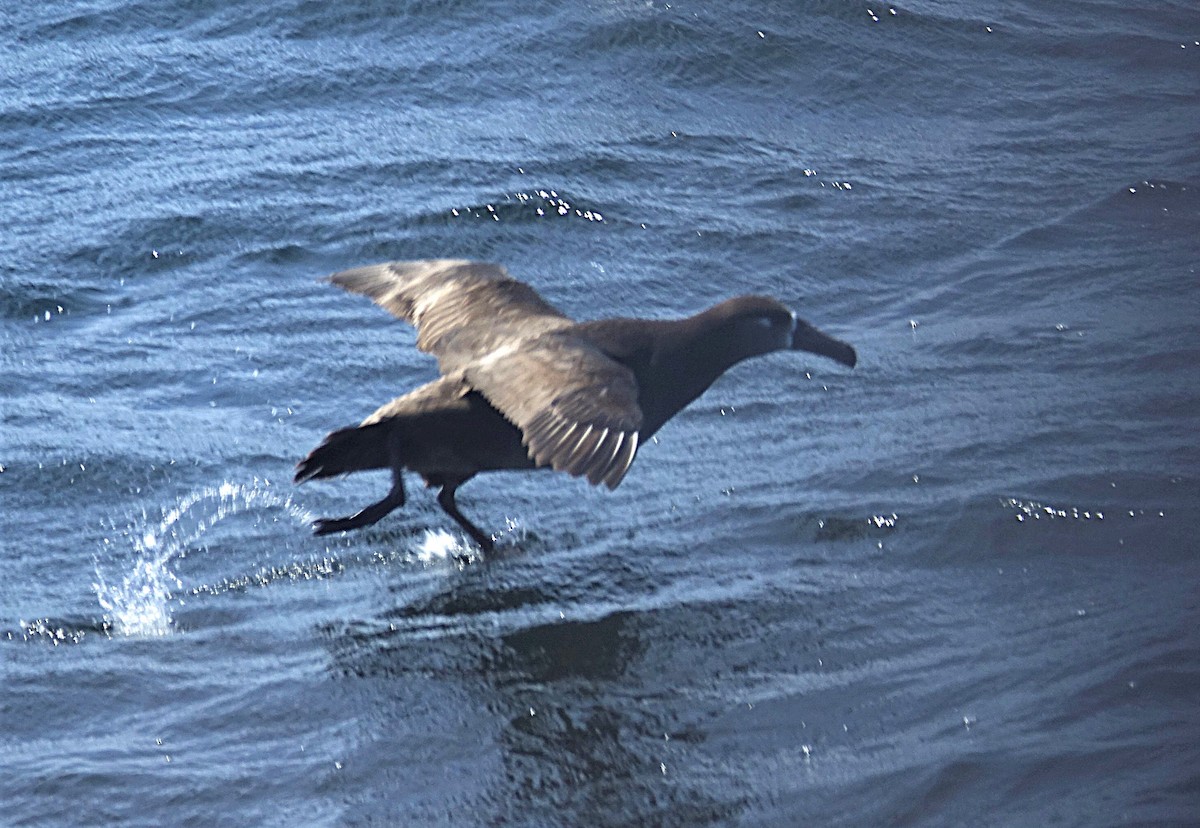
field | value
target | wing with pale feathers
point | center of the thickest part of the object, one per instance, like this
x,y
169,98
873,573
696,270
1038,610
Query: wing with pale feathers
x,y
462,310
577,408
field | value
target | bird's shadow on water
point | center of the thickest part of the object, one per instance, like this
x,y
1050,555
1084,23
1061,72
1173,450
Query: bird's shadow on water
x,y
575,738
578,727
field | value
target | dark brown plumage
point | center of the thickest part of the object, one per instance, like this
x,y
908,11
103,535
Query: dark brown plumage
x,y
523,386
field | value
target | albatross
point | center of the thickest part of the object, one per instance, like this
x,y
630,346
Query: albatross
x,y
523,386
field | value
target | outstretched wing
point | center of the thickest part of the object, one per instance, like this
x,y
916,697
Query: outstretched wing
x,y
462,310
578,409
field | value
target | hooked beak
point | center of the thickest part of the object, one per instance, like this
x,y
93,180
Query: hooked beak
x,y
807,338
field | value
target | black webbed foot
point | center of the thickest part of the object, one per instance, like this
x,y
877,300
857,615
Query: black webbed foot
x,y
327,526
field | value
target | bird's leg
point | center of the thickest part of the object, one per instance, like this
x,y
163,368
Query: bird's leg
x,y
445,499
371,514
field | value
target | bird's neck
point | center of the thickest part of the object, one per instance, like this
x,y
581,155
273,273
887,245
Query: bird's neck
x,y
684,366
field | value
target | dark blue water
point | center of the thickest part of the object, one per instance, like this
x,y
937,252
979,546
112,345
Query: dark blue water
x,y
958,585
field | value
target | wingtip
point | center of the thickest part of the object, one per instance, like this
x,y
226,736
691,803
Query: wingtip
x,y
346,279
622,460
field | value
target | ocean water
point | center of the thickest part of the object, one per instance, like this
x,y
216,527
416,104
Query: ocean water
x,y
958,585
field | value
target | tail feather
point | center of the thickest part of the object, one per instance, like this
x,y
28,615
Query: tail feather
x,y
357,448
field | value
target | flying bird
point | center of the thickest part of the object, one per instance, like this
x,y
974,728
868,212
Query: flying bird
x,y
523,386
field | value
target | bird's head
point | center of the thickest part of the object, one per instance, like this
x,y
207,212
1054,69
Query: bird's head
x,y
760,325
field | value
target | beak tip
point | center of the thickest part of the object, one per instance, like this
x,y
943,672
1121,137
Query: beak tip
x,y
805,337
824,345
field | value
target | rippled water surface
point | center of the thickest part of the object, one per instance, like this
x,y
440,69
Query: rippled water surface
x,y
957,585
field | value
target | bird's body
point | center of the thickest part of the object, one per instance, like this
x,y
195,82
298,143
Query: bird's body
x,y
523,386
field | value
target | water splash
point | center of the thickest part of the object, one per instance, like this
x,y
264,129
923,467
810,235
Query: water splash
x,y
140,604
141,601
439,546
142,598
